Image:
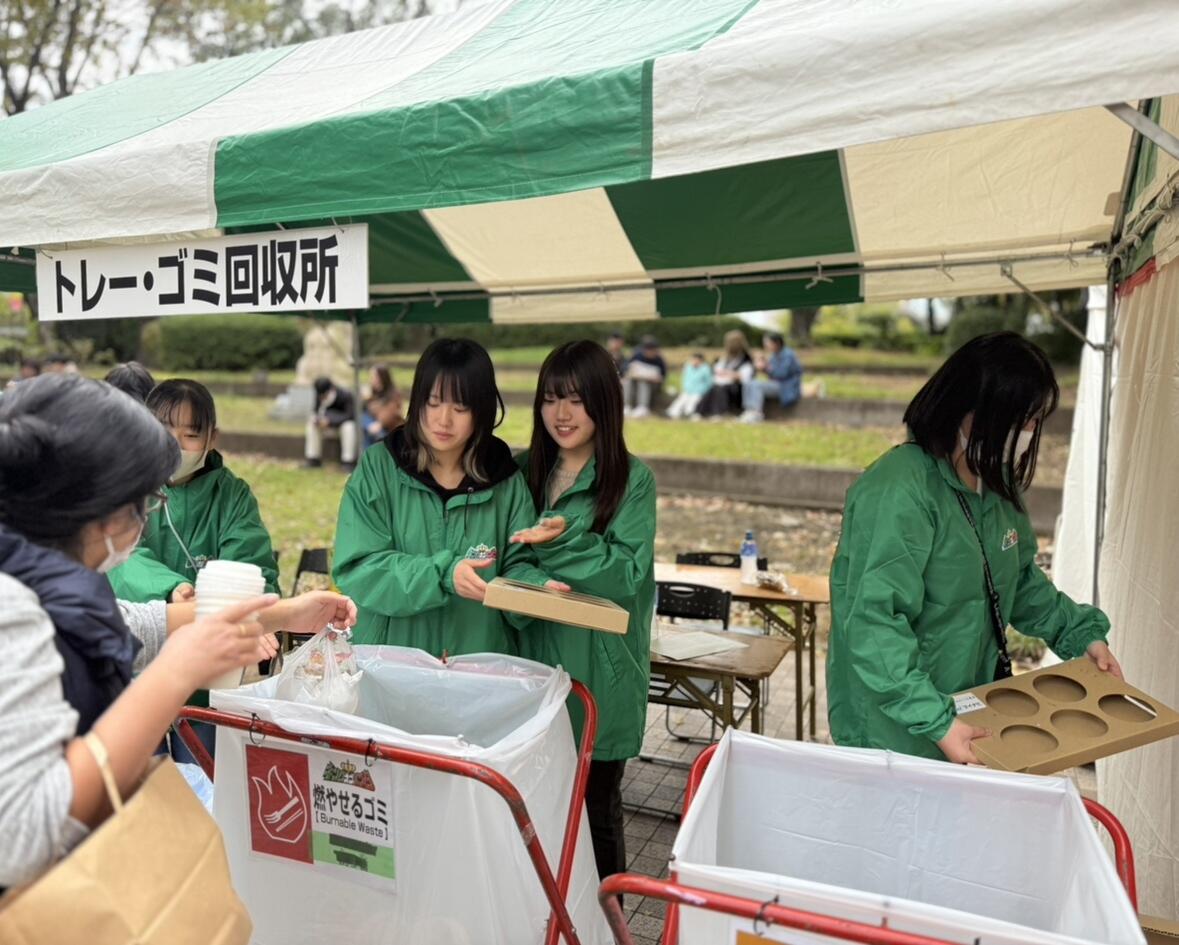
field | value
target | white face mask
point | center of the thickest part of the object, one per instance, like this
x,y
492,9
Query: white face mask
x,y
190,462
114,556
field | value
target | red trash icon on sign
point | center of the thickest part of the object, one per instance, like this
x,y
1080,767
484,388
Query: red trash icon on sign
x,y
279,786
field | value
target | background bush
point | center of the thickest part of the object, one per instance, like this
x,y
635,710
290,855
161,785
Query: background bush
x,y
229,342
706,331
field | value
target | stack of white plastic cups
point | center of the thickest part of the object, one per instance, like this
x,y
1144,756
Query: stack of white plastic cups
x,y
221,584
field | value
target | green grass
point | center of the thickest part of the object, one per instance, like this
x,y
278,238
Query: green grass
x,y
801,444
868,386
834,357
298,505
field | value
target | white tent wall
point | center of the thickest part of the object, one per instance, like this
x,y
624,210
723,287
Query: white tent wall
x,y
1138,585
1072,558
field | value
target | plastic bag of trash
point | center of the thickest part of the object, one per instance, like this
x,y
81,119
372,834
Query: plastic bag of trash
x,y
323,672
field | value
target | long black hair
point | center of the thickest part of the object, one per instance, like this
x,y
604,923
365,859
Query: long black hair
x,y
74,451
584,369
1006,382
168,397
463,372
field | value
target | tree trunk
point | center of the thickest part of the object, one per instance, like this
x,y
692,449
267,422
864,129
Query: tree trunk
x,y
801,322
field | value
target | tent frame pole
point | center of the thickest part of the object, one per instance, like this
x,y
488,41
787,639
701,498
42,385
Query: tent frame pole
x,y
1107,353
1141,125
1146,127
357,406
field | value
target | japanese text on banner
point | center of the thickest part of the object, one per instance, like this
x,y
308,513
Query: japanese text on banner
x,y
288,270
323,808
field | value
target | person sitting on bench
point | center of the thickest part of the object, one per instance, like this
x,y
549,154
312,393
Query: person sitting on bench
x,y
335,409
785,379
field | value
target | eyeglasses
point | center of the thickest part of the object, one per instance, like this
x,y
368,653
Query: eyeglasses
x,y
154,502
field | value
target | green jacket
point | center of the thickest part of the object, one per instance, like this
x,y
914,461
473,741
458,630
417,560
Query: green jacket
x,y
620,566
396,548
910,621
216,515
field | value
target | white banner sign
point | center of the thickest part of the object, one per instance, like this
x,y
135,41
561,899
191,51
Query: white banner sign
x,y
275,271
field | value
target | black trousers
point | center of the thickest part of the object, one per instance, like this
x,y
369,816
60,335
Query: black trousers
x,y
603,807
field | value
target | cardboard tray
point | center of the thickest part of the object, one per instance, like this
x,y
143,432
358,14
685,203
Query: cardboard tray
x,y
568,607
1061,716
1159,931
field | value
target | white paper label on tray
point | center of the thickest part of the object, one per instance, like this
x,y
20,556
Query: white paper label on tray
x,y
967,702
323,808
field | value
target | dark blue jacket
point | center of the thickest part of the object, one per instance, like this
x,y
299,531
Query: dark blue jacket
x,y
91,636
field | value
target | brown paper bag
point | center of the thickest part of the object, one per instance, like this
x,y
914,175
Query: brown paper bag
x,y
154,873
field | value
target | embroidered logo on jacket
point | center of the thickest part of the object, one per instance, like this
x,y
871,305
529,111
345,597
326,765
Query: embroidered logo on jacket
x,y
1011,539
482,552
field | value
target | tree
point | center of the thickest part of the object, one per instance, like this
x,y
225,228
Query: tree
x,y
52,48
802,320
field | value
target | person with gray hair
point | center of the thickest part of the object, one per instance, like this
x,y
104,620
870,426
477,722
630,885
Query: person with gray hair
x,y
81,468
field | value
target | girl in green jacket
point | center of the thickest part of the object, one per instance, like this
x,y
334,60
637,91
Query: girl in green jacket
x,y
912,620
425,519
209,513
596,532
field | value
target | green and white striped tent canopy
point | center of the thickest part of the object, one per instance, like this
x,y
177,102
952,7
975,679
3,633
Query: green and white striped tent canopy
x,y
540,160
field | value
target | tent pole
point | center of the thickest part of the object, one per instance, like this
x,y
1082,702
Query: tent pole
x,y
357,406
1147,127
1108,344
1107,352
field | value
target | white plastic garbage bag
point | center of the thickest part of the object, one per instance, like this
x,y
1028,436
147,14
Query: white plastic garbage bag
x,y
322,672
327,846
955,853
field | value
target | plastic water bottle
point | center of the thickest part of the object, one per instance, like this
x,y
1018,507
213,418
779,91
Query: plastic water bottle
x,y
749,559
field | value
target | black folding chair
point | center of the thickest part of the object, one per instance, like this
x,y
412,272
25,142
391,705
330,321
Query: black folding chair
x,y
693,602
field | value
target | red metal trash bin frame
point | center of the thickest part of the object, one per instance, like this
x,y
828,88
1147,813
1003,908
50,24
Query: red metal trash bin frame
x,y
770,913
555,888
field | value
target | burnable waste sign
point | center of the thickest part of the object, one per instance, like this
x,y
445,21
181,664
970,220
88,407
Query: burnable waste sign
x,y
327,809
275,271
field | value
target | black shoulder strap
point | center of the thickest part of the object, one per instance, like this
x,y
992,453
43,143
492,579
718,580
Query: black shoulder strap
x,y
998,624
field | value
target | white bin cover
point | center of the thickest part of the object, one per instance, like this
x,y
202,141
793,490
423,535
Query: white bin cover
x,y
462,874
962,854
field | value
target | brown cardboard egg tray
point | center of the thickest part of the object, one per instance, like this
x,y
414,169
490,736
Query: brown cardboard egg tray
x,y
1060,716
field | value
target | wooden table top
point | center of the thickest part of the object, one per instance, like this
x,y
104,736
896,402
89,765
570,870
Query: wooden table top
x,y
811,588
756,660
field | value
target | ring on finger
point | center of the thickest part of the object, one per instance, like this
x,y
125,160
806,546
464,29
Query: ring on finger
x,y
242,631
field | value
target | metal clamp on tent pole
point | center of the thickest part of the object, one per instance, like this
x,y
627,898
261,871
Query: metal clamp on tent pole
x,y
819,277
710,284
944,269
1146,126
1008,273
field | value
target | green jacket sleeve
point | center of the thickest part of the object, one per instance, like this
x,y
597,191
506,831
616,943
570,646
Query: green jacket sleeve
x,y
144,578
519,561
613,564
369,568
889,542
244,537
1040,610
